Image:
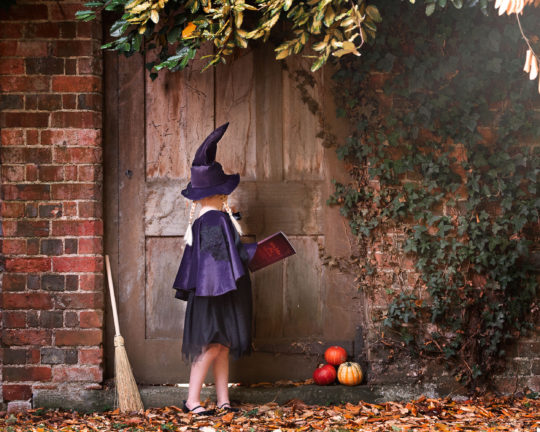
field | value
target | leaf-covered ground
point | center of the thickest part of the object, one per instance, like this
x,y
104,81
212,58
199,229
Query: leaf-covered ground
x,y
488,414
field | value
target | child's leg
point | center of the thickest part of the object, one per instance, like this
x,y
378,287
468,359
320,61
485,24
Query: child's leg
x,y
198,373
221,374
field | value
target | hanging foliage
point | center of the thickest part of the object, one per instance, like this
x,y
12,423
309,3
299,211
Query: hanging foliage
x,y
178,28
445,156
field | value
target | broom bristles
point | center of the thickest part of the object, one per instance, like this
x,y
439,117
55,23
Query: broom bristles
x,y
129,398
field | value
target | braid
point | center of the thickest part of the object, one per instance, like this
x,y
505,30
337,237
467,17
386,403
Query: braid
x,y
188,236
233,220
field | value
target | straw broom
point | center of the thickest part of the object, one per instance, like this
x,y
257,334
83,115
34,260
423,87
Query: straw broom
x,y
129,398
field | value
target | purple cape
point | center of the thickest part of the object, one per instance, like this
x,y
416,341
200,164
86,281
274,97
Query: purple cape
x,y
216,259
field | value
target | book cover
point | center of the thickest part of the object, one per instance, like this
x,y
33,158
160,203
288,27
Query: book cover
x,y
270,250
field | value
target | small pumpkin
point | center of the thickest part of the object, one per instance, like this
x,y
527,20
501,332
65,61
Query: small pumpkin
x,y
335,355
350,374
324,374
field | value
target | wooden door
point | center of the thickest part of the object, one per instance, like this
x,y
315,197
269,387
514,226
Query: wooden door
x,y
152,132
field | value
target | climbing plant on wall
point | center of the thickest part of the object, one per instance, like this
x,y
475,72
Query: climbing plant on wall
x,y
448,156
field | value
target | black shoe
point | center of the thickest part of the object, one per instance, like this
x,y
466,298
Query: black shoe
x,y
204,413
227,407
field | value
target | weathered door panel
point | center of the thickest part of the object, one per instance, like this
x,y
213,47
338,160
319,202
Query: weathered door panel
x,y
274,143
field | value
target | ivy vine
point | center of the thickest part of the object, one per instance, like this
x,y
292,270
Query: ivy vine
x,y
447,156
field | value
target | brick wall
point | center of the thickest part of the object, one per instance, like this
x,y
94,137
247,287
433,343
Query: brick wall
x,y
52,281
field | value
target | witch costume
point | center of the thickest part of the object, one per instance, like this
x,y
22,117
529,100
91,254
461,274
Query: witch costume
x,y
213,276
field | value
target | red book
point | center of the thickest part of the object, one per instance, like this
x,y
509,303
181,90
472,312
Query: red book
x,y
270,250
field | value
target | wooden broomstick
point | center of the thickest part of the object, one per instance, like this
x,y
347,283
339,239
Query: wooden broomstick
x,y
129,398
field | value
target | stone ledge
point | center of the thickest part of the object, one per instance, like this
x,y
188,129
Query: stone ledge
x,y
161,396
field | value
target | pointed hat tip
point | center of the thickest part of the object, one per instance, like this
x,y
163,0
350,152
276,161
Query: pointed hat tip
x,y
206,153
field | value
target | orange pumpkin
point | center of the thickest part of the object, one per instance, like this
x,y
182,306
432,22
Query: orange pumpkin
x,y
349,373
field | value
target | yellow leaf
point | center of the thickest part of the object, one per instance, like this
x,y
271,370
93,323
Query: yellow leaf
x,y
282,54
528,59
154,16
188,30
534,68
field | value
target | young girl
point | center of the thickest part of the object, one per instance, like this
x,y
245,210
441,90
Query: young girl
x,y
213,278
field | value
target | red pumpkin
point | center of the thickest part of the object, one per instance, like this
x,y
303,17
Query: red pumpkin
x,y
335,355
350,374
324,375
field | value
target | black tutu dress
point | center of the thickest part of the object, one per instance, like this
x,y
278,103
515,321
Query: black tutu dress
x,y
214,280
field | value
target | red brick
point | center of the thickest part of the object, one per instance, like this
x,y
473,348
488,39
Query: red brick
x,y
83,137
71,66
90,101
30,102
32,246
17,155
12,209
27,300
77,228
28,228
33,356
31,173
49,102
69,101
16,392
90,209
27,373
75,84
25,192
71,173
90,246
12,137
24,12
13,282
29,265
42,30
11,31
26,337
32,137
60,11
91,319
53,137
78,337
11,66
87,30
77,300
24,119
89,173
70,208
14,319
28,83
91,282
51,173
13,246
68,30
62,373
89,66
80,119
77,264
9,228
75,191
91,356
72,48
44,65
13,173
8,48
77,155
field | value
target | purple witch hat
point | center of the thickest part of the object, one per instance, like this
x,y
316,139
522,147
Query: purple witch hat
x,y
207,176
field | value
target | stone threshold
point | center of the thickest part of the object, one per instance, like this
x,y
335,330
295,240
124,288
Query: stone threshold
x,y
161,396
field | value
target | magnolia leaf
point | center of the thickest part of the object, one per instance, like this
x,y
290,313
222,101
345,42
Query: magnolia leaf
x,y
373,13
430,8
282,54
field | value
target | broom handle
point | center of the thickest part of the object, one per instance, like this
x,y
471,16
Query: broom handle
x,y
113,299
